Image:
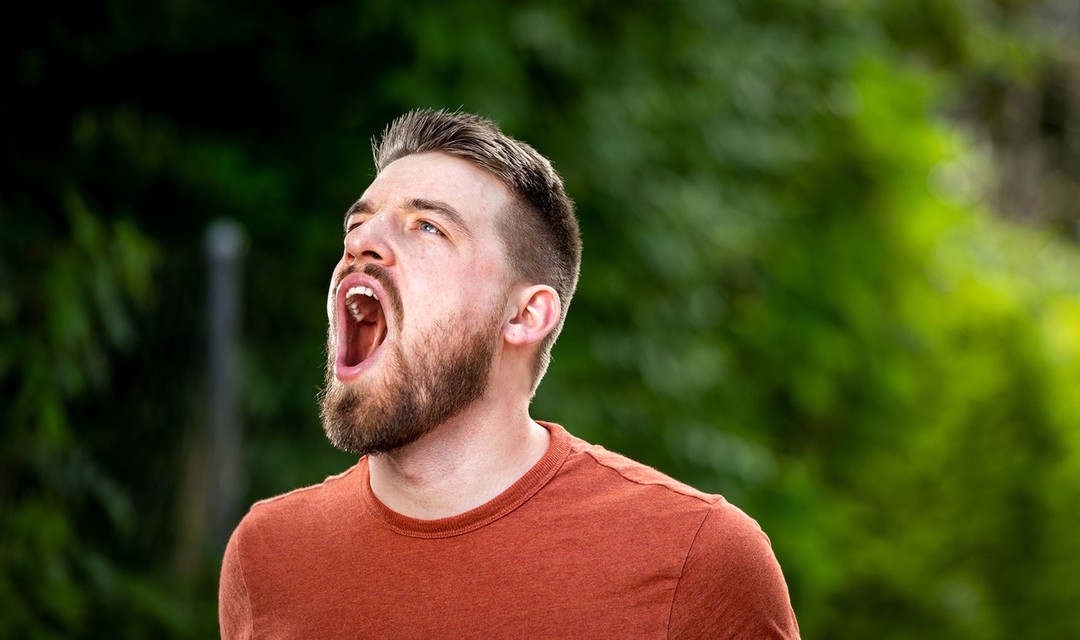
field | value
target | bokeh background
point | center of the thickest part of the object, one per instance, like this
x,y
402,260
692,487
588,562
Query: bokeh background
x,y
831,271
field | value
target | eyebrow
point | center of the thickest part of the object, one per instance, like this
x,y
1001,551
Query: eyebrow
x,y
417,204
360,206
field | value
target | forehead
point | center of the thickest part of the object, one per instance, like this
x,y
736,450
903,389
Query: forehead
x,y
474,193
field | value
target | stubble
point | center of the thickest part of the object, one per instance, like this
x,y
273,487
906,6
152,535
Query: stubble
x,y
448,372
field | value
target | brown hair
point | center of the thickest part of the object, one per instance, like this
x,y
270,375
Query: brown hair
x,y
539,231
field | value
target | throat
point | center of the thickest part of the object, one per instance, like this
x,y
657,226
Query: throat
x,y
441,476
364,338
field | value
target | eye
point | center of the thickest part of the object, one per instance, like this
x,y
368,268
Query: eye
x,y
427,227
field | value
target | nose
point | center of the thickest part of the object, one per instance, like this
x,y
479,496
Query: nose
x,y
369,242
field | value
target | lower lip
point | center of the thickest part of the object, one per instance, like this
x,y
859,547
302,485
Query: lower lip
x,y
345,373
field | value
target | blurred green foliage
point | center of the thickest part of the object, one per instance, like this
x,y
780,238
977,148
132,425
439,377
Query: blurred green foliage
x,y
794,290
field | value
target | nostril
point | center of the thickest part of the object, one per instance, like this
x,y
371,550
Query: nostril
x,y
373,255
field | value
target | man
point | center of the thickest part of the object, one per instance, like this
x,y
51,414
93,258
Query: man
x,y
465,518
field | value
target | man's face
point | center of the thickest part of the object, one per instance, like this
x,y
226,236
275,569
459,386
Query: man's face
x,y
416,304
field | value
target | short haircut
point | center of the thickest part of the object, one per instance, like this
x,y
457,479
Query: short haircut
x,y
539,232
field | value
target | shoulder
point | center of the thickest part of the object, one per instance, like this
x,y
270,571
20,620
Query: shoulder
x,y
306,513
727,579
625,483
731,584
596,459
690,523
720,528
277,528
309,500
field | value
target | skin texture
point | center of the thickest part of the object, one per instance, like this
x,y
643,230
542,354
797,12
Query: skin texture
x,y
424,238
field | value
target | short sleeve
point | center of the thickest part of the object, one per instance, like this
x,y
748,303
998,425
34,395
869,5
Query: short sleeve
x,y
234,605
731,584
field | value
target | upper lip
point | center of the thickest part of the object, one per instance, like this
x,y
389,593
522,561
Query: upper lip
x,y
360,279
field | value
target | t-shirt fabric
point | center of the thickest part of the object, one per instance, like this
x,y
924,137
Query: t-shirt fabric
x,y
587,544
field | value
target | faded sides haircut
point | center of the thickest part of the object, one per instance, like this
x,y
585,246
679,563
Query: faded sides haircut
x,y
539,231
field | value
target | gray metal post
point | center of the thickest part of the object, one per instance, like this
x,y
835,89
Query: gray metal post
x,y
224,248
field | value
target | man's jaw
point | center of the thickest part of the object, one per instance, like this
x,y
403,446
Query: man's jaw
x,y
361,325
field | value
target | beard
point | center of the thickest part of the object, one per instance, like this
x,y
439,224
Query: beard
x,y
415,396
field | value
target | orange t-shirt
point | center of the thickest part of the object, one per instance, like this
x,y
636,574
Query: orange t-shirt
x,y
587,544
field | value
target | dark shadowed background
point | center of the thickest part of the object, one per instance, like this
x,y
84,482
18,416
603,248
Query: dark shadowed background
x,y
831,271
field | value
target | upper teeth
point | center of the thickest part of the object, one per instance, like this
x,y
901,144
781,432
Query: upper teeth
x,y
354,304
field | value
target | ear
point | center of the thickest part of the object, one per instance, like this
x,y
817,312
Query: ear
x,y
533,313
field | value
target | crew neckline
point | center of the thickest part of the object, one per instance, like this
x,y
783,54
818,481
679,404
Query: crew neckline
x,y
513,497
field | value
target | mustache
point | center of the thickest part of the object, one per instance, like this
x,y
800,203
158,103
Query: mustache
x,y
382,276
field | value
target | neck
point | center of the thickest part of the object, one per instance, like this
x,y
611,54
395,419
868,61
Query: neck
x,y
462,464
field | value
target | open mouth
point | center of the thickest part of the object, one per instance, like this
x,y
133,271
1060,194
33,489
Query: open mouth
x,y
361,326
